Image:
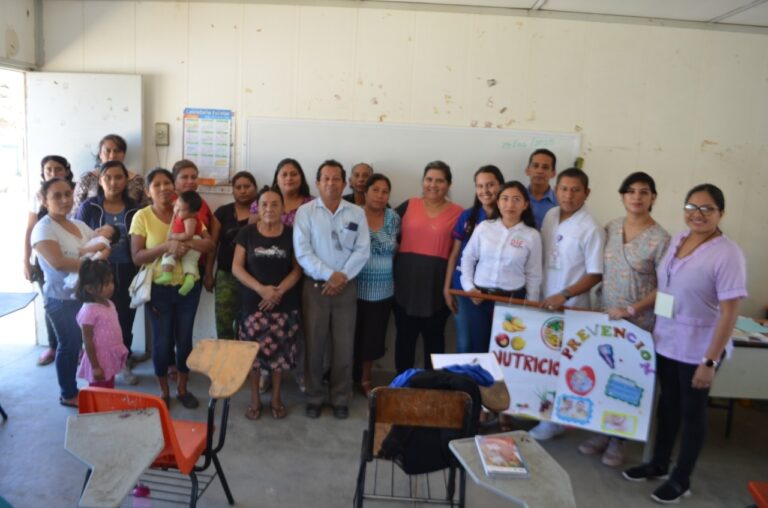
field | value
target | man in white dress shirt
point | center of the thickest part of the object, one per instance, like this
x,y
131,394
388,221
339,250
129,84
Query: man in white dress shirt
x,y
332,244
573,243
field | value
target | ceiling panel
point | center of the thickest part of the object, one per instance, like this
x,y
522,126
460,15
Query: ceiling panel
x,y
684,10
755,16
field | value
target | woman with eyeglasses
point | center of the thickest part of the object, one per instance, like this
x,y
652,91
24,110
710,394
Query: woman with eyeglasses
x,y
635,245
704,276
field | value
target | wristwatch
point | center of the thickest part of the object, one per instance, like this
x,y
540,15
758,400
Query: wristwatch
x,y
631,311
707,362
566,294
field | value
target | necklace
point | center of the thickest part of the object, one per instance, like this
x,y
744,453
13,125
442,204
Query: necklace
x,y
712,234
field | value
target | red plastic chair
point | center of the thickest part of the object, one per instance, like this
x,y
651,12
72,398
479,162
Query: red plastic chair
x,y
759,491
185,441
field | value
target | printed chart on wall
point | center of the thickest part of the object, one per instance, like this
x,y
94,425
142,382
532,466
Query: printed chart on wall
x,y
208,141
607,376
526,343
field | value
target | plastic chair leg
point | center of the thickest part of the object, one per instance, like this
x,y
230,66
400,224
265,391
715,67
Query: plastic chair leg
x,y
223,479
193,495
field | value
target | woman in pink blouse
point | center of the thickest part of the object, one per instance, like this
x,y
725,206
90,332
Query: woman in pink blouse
x,y
704,275
420,309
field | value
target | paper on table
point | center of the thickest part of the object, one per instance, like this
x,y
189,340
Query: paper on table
x,y
749,325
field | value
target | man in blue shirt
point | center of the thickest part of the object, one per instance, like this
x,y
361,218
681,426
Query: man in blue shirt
x,y
540,170
332,244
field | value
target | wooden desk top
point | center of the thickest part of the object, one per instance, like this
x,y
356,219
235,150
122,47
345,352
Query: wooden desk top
x,y
118,446
548,485
225,362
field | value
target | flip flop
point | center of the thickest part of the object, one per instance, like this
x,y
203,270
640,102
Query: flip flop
x,y
48,356
278,412
253,413
68,402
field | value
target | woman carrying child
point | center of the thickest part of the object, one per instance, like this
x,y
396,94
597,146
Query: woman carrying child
x,y
171,314
57,240
112,206
105,353
52,166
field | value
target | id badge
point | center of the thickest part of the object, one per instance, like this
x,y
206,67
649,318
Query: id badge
x,y
554,260
665,304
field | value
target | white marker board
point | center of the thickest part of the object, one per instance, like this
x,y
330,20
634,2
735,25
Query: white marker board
x,y
69,113
400,151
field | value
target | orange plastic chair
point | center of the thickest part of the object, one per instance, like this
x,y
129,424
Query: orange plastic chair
x,y
759,491
185,441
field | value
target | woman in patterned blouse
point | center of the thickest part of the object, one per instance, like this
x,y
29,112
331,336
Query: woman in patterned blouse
x,y
375,283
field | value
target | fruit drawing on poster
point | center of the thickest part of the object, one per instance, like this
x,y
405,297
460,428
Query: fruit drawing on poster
x,y
607,376
526,343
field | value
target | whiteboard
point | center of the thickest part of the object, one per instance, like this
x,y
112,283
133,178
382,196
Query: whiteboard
x,y
400,151
69,113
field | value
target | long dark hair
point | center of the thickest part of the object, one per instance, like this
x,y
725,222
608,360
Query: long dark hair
x,y
469,227
94,274
304,186
527,215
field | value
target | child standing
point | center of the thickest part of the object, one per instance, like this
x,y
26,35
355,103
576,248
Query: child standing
x,y
105,352
184,227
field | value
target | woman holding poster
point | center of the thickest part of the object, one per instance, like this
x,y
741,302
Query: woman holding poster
x,y
634,248
502,258
700,282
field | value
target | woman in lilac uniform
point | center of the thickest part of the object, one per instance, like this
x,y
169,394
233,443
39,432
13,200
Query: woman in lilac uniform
x,y
704,274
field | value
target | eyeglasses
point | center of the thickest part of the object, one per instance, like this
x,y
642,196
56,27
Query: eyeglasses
x,y
704,209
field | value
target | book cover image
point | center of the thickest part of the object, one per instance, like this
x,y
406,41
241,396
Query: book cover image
x,y
500,455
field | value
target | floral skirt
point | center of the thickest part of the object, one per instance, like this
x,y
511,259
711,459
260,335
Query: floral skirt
x,y
278,334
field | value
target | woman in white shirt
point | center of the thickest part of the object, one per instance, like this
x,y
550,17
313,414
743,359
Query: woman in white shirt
x,y
502,258
57,241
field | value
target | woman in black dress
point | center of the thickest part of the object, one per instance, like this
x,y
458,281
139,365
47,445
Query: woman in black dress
x,y
265,264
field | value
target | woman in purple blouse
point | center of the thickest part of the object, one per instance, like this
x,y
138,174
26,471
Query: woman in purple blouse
x,y
704,275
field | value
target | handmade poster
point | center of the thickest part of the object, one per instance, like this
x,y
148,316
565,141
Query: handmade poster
x,y
607,376
526,343
208,140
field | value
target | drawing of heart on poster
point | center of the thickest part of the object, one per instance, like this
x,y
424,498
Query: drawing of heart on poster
x,y
608,376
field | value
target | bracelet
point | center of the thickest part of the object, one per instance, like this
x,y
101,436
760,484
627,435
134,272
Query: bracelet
x,y
631,311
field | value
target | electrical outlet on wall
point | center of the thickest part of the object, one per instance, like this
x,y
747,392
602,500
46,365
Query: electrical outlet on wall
x,y
162,134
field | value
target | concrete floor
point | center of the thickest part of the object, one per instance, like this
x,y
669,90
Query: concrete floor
x,y
300,462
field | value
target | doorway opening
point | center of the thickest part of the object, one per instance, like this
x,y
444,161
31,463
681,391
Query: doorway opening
x,y
14,204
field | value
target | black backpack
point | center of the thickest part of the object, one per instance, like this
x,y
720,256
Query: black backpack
x,y
419,450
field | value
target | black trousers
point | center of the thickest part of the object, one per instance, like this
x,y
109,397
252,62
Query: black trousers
x,y
123,274
681,408
431,328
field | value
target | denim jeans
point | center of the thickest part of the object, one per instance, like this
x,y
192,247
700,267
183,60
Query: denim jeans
x,y
172,317
62,314
473,326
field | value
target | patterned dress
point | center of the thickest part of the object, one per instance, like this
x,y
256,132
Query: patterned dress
x,y
269,261
630,268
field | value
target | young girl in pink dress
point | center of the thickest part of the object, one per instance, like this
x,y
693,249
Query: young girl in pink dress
x,y
105,353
